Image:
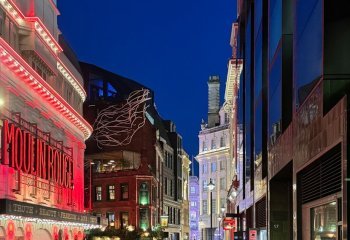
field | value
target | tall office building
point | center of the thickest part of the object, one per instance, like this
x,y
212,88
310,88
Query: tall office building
x,y
214,163
292,112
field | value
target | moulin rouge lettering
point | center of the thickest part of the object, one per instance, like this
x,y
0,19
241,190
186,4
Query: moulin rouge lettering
x,y
23,152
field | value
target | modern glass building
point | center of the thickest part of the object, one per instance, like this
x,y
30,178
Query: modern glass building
x,y
292,112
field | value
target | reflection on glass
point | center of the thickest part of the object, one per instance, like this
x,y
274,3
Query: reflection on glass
x,y
324,222
308,50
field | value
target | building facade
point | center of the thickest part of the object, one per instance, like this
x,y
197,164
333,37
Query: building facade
x,y
174,183
42,127
194,208
136,168
122,162
185,208
214,163
292,105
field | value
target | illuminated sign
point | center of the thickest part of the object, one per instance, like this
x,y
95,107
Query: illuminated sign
x,y
27,153
164,221
230,223
16,208
253,234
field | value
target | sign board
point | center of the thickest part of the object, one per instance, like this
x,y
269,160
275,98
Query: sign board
x,y
253,234
164,221
24,151
10,207
230,223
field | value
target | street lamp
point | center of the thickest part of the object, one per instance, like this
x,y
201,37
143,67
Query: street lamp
x,y
223,208
211,187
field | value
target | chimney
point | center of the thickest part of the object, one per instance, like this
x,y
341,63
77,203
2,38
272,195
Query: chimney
x,y
213,101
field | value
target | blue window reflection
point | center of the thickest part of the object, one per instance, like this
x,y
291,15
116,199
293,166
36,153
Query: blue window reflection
x,y
308,51
275,29
275,94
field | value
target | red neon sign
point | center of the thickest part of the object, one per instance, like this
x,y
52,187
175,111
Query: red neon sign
x,y
24,152
230,223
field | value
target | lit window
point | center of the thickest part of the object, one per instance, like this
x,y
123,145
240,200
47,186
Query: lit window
x,y
144,194
111,192
124,219
111,219
124,188
98,190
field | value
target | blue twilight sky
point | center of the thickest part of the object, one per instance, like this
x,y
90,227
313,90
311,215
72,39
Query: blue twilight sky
x,y
170,46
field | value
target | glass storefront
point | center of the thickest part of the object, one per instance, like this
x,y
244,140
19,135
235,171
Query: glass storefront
x,y
324,222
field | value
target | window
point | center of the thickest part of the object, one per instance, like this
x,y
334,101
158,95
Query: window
x,y
193,190
222,184
205,185
204,207
166,186
193,204
324,221
111,91
111,192
214,206
111,219
213,144
193,215
204,146
124,188
222,165
144,194
124,219
227,118
205,168
171,188
144,223
222,202
222,142
213,167
98,196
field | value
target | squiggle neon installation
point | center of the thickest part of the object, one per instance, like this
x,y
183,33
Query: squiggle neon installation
x,y
117,124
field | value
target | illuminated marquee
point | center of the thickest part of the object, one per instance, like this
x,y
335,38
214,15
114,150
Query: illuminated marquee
x,y
26,153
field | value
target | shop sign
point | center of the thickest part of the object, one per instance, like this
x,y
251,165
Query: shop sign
x,y
25,152
253,234
164,221
230,223
10,207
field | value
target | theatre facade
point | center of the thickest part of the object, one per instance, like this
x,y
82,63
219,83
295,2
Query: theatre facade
x,y
42,128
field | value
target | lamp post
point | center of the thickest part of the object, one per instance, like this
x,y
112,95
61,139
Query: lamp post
x,y
211,187
219,219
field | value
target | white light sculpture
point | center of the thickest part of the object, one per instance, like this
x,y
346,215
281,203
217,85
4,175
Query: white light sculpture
x,y
117,124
